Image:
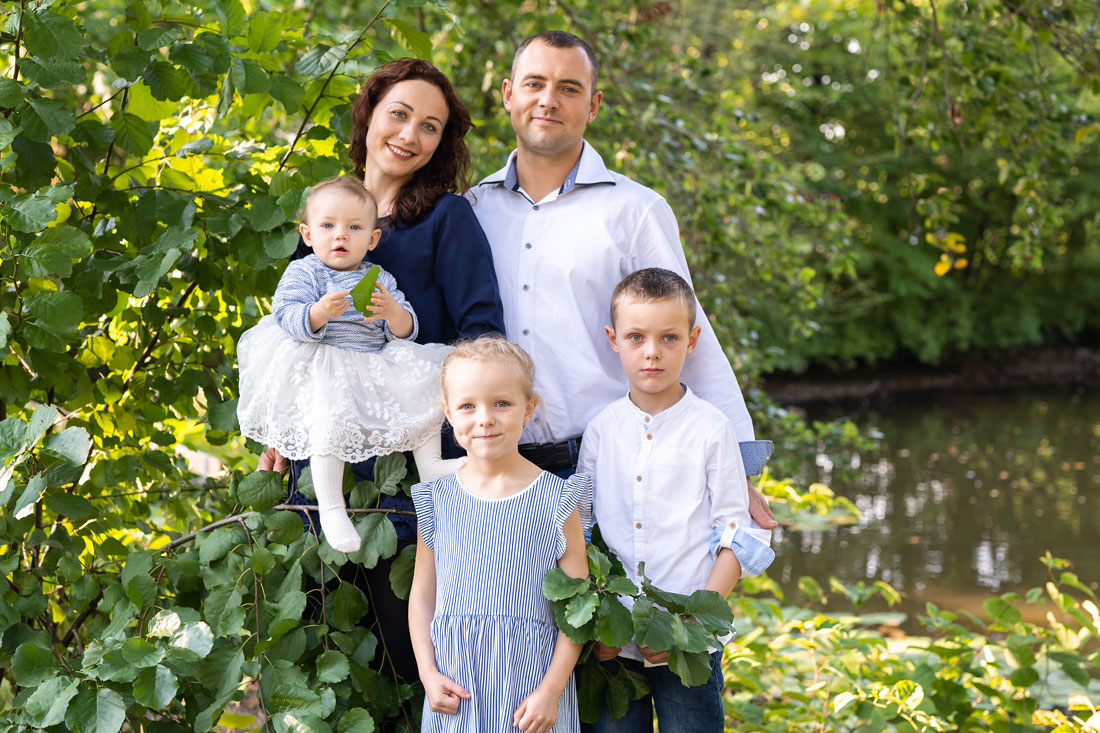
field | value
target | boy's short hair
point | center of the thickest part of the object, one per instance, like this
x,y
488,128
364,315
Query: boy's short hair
x,y
492,348
344,184
650,284
561,39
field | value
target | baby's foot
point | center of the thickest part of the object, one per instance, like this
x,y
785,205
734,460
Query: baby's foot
x,y
339,531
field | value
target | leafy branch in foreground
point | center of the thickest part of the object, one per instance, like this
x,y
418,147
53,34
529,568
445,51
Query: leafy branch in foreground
x,y
591,609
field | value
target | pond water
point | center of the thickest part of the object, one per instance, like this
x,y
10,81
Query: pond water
x,y
961,497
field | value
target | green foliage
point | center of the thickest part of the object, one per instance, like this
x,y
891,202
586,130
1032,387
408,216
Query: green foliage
x,y
807,669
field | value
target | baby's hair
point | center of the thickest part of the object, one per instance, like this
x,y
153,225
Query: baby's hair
x,y
650,284
344,184
492,348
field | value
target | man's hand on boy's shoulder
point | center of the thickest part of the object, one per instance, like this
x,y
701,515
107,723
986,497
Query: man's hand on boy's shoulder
x,y
759,509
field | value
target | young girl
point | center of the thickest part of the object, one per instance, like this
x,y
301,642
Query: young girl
x,y
483,633
319,380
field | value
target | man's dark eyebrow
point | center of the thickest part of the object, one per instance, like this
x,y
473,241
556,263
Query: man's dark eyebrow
x,y
409,107
540,77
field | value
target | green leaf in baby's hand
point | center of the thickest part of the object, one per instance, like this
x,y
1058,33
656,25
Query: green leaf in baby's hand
x,y
360,294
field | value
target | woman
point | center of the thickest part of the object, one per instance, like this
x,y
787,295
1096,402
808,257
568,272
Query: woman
x,y
408,146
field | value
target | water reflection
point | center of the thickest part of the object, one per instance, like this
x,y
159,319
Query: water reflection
x,y
961,497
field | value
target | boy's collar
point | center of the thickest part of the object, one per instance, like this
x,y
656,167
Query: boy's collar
x,y
672,410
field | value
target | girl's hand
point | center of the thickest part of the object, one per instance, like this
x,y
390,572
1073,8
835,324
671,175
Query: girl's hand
x,y
604,652
328,307
443,693
385,307
538,712
653,657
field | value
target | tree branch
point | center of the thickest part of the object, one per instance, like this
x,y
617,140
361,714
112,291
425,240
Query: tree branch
x,y
321,91
278,507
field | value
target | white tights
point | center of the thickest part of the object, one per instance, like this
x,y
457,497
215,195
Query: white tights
x,y
328,482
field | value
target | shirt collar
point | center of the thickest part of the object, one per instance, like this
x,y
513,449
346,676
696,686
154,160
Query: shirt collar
x,y
589,170
671,413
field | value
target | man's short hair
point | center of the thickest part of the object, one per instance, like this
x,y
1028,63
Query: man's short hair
x,y
561,39
652,284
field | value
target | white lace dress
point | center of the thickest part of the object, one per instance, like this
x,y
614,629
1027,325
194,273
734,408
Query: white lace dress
x,y
310,397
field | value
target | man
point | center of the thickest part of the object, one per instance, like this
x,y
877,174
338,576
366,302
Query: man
x,y
564,230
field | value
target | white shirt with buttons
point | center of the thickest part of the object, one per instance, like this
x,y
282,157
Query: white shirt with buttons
x,y
669,490
557,261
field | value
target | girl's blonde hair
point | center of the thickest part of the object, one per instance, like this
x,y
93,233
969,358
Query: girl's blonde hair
x,y
492,348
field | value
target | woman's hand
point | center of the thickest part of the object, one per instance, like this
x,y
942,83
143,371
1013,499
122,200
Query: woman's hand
x,y
539,711
385,307
273,460
443,693
328,307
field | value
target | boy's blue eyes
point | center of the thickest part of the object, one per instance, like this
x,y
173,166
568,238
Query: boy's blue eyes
x,y
637,337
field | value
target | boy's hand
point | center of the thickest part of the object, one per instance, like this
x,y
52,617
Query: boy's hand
x,y
385,307
443,693
759,509
538,712
653,657
328,307
604,652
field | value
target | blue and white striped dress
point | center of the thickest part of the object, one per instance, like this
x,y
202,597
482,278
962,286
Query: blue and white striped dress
x,y
493,629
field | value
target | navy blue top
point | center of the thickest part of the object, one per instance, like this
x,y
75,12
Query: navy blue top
x,y
444,267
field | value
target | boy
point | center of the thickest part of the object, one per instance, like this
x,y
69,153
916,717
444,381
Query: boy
x,y
669,489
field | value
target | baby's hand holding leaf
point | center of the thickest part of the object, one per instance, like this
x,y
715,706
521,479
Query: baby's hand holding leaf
x,y
361,293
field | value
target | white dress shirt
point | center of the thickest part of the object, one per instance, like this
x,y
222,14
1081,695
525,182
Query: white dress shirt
x,y
557,261
669,490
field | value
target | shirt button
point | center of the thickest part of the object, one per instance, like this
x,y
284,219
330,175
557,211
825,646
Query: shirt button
x,y
526,287
647,419
637,478
525,332
638,525
535,207
649,437
528,245
733,525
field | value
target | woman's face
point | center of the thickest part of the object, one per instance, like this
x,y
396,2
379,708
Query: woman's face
x,y
405,129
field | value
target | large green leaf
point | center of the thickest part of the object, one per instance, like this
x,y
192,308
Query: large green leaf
x,y
320,60
332,667
693,668
32,665
614,625
356,720
388,472
49,35
401,572
11,93
30,212
44,119
155,687
132,133
52,73
379,540
557,585
165,81
55,248
412,38
579,609
47,705
71,444
261,490
265,31
348,606
231,17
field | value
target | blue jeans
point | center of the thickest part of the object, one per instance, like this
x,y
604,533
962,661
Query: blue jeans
x,y
680,709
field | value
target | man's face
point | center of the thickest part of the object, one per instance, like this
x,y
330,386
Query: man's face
x,y
550,99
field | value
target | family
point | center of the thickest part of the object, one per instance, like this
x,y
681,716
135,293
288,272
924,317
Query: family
x,y
544,319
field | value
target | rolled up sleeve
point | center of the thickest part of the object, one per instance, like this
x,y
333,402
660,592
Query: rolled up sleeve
x,y
730,517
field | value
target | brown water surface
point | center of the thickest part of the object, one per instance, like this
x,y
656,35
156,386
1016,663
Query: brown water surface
x,y
962,496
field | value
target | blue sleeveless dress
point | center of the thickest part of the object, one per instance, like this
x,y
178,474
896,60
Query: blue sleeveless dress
x,y
493,630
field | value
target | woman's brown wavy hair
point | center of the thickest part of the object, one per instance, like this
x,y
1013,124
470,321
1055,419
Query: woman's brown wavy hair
x,y
448,169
